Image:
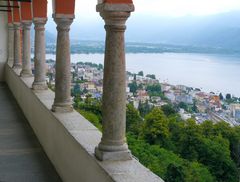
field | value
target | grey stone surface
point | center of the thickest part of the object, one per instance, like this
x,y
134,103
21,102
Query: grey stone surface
x,y
22,158
10,43
62,101
39,55
26,63
69,140
113,144
17,47
115,7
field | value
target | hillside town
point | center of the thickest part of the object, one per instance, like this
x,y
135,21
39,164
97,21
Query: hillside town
x,y
87,79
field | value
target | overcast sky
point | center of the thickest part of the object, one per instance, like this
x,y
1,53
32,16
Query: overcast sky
x,y
86,9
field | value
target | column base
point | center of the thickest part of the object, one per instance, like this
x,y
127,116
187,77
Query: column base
x,y
62,108
113,155
26,74
17,66
10,62
39,86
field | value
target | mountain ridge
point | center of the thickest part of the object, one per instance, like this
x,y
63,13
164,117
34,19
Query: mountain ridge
x,y
219,32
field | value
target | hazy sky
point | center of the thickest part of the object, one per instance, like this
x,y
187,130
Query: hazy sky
x,y
86,9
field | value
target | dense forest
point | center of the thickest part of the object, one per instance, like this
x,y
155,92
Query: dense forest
x,y
173,149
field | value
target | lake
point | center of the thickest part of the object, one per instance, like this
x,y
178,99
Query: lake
x,y
217,73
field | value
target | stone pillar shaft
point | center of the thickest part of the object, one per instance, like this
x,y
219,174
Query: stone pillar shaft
x,y
62,101
10,43
39,55
113,143
17,46
114,86
26,66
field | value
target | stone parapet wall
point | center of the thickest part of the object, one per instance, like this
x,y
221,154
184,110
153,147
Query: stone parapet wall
x,y
69,140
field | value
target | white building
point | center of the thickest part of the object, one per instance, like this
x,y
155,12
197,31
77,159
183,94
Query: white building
x,y
170,95
184,115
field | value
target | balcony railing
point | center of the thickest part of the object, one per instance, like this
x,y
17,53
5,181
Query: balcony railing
x,y
78,150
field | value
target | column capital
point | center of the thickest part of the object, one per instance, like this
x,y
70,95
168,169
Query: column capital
x,y
122,7
10,26
40,20
66,16
26,22
115,21
39,23
17,26
115,14
63,22
26,25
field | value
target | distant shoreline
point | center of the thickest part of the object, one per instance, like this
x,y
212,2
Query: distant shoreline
x,y
93,47
216,73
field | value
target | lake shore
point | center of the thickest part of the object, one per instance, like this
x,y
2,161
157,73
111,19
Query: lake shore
x,y
209,72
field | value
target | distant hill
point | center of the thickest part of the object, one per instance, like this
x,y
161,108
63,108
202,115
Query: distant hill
x,y
221,31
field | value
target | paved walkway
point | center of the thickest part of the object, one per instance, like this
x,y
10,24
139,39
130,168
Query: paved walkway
x,y
22,158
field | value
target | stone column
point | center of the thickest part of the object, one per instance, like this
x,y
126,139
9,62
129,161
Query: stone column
x,y
26,64
39,55
62,101
17,47
10,44
113,144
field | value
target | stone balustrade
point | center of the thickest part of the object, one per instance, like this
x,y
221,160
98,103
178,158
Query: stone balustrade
x,y
76,148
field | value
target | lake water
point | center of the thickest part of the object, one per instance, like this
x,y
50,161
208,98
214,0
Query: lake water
x,y
217,73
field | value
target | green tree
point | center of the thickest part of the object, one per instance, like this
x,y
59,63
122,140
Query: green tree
x,y
140,73
194,108
168,109
93,118
221,96
183,105
134,77
174,173
76,90
176,128
228,96
133,87
235,145
151,76
144,108
189,140
100,67
196,172
133,120
166,164
154,90
155,128
74,75
77,100
88,99
215,154
207,128
232,134
140,86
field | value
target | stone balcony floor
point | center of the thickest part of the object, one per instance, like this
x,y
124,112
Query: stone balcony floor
x,y
22,158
